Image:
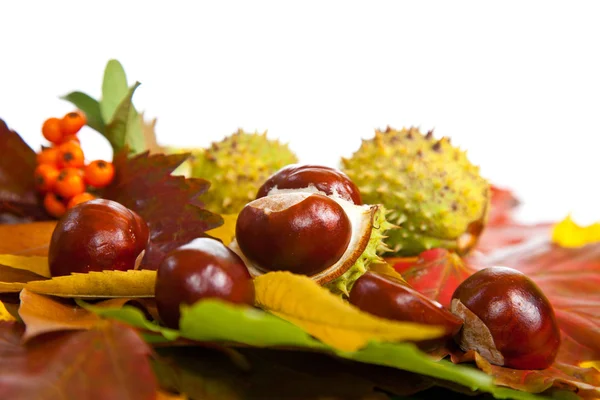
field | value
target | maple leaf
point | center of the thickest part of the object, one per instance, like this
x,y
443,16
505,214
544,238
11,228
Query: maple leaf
x,y
169,204
18,196
109,361
503,203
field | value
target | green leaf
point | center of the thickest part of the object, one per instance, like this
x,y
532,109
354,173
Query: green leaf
x,y
90,107
132,316
213,320
125,129
114,89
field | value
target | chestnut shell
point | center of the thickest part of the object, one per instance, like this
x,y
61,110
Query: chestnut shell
x,y
325,179
97,235
391,298
203,268
518,315
298,232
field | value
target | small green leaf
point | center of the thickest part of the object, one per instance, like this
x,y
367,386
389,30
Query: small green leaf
x,y
114,89
90,107
126,128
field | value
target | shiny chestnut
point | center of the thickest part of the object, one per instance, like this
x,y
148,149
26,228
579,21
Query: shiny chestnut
x,y
388,297
302,233
508,319
201,269
325,179
97,235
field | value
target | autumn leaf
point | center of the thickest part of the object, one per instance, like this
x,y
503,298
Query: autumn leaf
x,y
35,264
436,273
149,133
225,232
30,239
18,195
503,203
303,302
107,362
510,234
169,204
569,234
4,314
102,284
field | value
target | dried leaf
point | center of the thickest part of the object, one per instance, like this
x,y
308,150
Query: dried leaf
x,y
4,314
149,132
225,232
303,302
42,314
569,234
31,239
169,204
107,362
36,264
18,195
11,287
103,284
8,275
590,364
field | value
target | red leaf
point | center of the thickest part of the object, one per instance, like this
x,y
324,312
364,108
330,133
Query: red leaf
x,y
108,362
503,203
18,196
168,203
510,234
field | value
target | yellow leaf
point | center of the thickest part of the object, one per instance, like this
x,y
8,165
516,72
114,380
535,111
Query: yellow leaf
x,y
11,287
386,269
4,314
590,364
30,239
36,264
225,232
132,283
301,301
568,234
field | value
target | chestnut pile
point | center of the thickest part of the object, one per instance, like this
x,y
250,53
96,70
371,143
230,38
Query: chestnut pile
x,y
310,220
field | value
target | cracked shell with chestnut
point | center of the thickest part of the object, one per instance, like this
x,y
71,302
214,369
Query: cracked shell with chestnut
x,y
435,195
306,220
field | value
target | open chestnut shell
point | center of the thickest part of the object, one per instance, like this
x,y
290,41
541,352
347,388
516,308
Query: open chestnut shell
x,y
301,176
204,268
508,319
390,298
97,235
302,233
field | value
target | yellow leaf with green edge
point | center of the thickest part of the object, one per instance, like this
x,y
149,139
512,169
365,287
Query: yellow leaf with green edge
x,y
36,264
301,301
225,232
11,287
567,233
103,284
591,364
4,314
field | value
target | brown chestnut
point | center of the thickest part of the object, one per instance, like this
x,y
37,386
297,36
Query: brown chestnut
x,y
388,297
97,235
325,179
204,268
302,233
508,319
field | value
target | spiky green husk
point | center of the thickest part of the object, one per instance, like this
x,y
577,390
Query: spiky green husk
x,y
236,167
343,284
436,196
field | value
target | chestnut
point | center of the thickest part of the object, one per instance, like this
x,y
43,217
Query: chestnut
x,y
299,232
203,268
324,179
508,319
388,297
97,235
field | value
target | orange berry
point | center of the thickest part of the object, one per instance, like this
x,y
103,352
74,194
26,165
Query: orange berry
x,y
48,156
99,173
80,198
70,138
72,122
69,183
52,131
70,155
54,205
45,177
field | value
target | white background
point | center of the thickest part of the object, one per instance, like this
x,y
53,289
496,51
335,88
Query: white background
x,y
516,83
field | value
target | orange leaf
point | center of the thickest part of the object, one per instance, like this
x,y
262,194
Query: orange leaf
x,y
36,264
26,239
43,314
